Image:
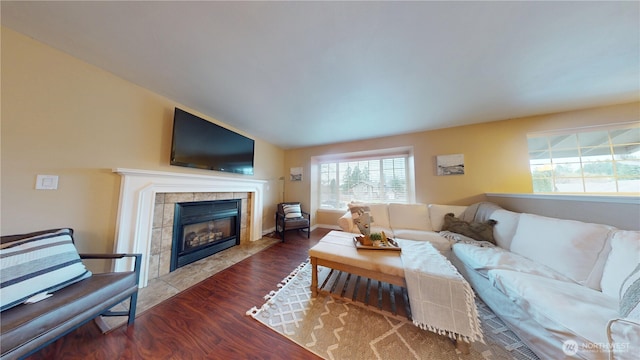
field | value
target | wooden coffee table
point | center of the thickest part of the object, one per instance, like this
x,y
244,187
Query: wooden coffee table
x,y
337,251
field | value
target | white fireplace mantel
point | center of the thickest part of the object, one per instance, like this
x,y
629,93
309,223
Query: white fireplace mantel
x,y
138,191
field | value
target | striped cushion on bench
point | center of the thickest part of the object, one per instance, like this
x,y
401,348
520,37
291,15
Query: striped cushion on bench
x,y
31,265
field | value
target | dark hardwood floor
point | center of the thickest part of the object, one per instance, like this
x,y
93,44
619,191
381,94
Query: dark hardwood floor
x,y
207,321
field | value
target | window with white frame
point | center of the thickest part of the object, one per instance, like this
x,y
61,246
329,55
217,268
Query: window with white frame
x,y
374,178
604,159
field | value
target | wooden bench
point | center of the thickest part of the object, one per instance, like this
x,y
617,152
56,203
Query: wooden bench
x,y
27,328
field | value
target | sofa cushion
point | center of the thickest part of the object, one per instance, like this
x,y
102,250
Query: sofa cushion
x,y
380,215
560,307
506,227
437,213
567,246
630,295
481,231
409,216
378,212
32,265
483,259
440,243
623,258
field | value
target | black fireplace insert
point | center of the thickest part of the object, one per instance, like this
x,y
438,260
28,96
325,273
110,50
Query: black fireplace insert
x,y
203,228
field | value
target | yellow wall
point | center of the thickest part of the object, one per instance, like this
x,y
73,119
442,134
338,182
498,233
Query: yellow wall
x,y
64,117
495,155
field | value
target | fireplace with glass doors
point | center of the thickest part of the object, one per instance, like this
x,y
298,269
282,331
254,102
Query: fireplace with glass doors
x,y
203,228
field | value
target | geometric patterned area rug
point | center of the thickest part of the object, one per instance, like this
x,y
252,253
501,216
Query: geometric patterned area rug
x,y
336,327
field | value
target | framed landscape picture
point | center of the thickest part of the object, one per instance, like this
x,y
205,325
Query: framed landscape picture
x,y
450,164
296,174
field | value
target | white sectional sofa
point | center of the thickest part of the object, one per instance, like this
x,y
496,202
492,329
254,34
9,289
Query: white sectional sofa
x,y
408,221
556,283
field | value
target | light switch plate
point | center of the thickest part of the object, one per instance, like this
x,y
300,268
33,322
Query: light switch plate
x,y
47,182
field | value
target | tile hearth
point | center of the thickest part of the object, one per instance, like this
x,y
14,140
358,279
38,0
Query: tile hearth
x,y
166,286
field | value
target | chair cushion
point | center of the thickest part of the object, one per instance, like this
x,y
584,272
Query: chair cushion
x,y
292,211
296,223
33,264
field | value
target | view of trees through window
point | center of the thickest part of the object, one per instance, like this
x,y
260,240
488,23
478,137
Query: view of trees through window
x,y
598,160
370,180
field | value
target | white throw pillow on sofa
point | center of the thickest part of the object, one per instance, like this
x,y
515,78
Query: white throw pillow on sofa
x,y
506,227
567,246
409,216
623,258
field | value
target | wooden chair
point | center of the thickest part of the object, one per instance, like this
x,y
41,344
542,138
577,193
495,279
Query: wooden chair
x,y
287,220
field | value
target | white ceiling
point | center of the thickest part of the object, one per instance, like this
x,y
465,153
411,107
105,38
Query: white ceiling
x,y
307,73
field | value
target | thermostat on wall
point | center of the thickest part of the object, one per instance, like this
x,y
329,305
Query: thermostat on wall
x,y
47,182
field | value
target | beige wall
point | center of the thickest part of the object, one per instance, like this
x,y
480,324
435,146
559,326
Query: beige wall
x,y
64,117
495,155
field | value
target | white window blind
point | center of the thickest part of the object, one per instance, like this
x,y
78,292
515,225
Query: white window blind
x,y
382,178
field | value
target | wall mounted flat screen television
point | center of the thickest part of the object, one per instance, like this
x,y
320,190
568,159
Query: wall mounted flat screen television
x,y
199,143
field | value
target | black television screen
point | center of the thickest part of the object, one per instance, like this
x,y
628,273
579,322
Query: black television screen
x,y
199,143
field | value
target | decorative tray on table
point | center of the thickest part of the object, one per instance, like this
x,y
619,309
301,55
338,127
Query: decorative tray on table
x,y
392,245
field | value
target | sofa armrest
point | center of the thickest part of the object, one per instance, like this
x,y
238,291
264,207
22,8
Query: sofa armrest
x,y
346,223
624,339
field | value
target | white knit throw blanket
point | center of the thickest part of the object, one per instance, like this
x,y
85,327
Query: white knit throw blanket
x,y
441,300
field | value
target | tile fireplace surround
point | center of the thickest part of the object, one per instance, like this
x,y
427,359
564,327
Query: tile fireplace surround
x,y
139,190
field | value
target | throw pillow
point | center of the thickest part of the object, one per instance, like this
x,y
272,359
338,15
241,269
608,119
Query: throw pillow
x,y
481,231
621,260
31,265
630,296
360,213
292,211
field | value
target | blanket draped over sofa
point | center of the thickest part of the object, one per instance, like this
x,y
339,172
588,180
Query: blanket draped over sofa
x,y
441,300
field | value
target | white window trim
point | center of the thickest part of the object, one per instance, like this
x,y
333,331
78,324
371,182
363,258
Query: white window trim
x,y
362,155
573,131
